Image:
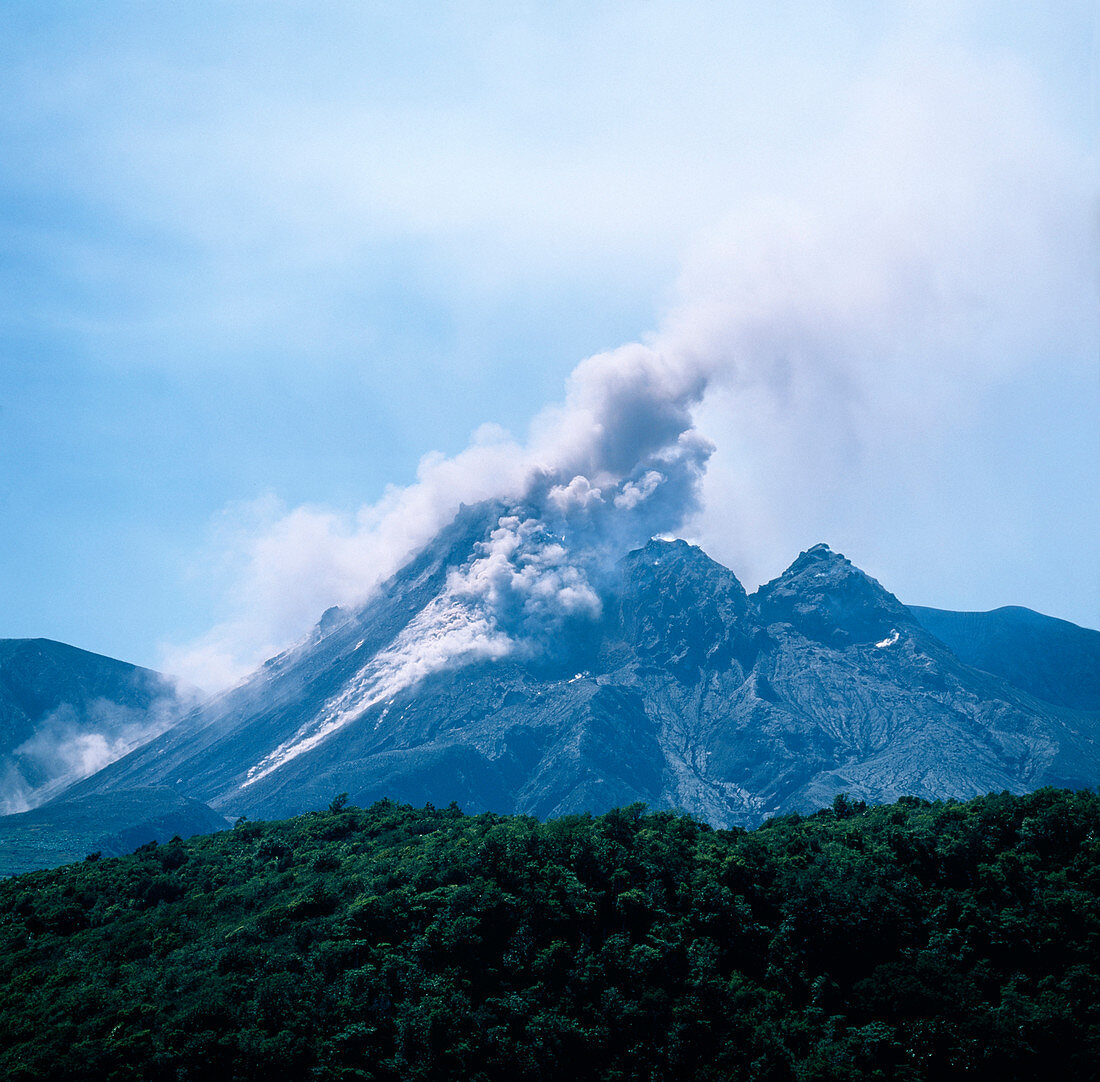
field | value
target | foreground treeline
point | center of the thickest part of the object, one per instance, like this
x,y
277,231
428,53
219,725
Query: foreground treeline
x,y
910,941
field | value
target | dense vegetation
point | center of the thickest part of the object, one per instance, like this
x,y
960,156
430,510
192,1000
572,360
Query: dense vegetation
x,y
903,942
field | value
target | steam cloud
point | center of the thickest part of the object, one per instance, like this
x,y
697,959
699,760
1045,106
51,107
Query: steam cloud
x,y
68,745
616,463
813,334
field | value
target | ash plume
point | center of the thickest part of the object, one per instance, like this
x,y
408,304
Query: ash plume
x,y
616,463
825,343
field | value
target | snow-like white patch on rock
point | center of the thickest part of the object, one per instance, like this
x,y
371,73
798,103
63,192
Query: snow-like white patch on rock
x,y
521,582
446,633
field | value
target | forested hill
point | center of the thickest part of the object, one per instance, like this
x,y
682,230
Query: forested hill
x,y
906,941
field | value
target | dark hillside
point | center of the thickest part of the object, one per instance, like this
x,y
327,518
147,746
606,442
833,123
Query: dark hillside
x,y
1048,658
909,941
65,713
112,824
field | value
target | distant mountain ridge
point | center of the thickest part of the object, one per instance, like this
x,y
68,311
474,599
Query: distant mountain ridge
x,y
1048,658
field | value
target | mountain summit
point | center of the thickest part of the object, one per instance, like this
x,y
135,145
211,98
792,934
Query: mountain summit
x,y
828,599
497,671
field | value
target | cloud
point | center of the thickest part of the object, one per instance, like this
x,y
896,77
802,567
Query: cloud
x,y
830,343
626,421
283,567
938,263
634,492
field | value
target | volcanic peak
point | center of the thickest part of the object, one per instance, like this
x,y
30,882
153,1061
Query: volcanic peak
x,y
828,599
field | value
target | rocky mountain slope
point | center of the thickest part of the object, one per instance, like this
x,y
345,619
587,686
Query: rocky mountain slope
x,y
672,687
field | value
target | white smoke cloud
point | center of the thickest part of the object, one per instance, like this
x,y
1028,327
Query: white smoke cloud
x,y
941,258
828,338
634,492
617,462
525,578
67,746
579,493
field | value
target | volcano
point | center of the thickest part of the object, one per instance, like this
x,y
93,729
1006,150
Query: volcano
x,y
495,671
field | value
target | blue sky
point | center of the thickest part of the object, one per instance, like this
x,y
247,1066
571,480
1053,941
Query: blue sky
x,y
258,259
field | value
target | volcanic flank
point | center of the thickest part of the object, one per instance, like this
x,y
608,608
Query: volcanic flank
x,y
514,666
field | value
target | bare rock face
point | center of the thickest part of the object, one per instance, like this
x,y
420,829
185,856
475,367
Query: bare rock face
x,y
677,689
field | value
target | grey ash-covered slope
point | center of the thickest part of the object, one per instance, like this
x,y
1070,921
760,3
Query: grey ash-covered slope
x,y
684,692
212,750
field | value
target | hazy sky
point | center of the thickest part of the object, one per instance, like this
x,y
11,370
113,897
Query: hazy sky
x,y
259,258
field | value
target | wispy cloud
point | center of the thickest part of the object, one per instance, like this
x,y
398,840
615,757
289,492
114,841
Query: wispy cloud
x,y
894,337
73,742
